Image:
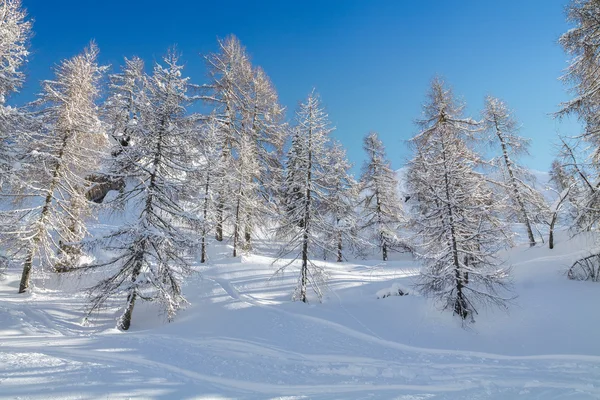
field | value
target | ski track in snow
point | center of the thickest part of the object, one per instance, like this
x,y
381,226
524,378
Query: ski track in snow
x,y
287,351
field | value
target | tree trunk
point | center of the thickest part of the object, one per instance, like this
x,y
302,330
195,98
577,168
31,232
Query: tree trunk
x,y
205,215
236,227
125,319
339,247
551,234
25,276
248,234
304,271
219,222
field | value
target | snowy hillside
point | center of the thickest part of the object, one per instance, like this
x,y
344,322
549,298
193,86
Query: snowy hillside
x,y
242,337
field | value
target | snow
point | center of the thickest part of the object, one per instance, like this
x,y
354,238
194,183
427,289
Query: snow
x,y
242,337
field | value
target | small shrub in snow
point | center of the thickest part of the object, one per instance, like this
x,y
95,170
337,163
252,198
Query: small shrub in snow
x,y
395,290
586,269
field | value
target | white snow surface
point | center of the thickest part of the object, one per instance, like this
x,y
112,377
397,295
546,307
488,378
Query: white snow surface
x,y
242,337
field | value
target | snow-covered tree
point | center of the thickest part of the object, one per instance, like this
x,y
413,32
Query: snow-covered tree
x,y
263,134
575,169
61,155
151,251
381,209
303,227
250,116
230,74
454,216
127,96
524,203
15,31
208,175
245,200
582,43
340,202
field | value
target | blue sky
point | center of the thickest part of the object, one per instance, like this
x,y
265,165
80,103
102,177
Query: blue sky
x,y
371,61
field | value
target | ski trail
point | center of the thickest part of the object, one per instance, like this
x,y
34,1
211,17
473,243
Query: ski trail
x,y
245,386
374,339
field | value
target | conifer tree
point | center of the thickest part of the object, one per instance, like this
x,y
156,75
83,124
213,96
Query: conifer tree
x,y
209,174
303,228
250,116
15,32
151,252
525,203
582,43
454,217
231,75
61,154
340,202
381,209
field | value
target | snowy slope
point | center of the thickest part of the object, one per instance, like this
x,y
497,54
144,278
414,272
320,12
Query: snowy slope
x,y
241,337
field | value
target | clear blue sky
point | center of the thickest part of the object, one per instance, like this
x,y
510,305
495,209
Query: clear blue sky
x,y
371,61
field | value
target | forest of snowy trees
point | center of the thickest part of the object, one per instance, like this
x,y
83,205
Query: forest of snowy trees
x,y
126,141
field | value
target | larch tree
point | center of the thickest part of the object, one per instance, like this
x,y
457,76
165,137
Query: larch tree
x,y
340,203
245,189
381,209
454,214
250,116
582,43
151,252
127,96
15,32
576,168
264,134
230,74
208,176
524,203
61,154
304,227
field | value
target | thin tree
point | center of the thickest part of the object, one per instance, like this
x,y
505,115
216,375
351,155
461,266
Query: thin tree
x,y
454,216
230,74
15,32
582,43
525,203
152,251
208,175
60,156
381,209
340,203
303,226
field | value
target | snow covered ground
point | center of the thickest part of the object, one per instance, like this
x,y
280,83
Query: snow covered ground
x,y
242,337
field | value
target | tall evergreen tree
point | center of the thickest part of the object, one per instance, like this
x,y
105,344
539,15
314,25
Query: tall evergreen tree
x,y
60,156
340,203
152,251
381,209
250,116
525,204
230,73
15,32
208,176
303,228
582,43
454,217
